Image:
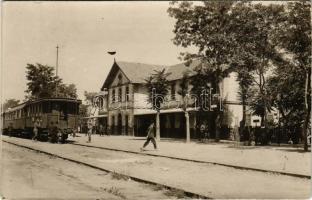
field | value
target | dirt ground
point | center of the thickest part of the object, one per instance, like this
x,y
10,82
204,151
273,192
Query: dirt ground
x,y
206,179
275,158
26,174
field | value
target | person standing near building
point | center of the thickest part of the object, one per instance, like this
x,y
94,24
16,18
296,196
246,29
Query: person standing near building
x,y
150,137
207,133
101,130
90,127
202,130
10,129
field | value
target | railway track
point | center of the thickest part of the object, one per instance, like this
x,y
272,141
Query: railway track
x,y
186,193
200,161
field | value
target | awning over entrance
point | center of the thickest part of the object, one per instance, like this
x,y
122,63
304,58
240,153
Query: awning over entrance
x,y
150,111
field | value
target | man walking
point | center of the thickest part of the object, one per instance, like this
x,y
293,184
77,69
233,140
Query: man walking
x,y
150,137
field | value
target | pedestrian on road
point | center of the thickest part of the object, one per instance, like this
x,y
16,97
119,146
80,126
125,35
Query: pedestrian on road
x,y
35,130
90,127
150,137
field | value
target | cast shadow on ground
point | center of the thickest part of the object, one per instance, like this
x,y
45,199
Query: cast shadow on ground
x,y
70,141
288,148
137,139
294,150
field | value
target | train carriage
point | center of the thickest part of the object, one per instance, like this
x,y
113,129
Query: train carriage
x,y
61,112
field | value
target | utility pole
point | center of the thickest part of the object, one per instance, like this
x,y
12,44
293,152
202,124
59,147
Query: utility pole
x,y
56,69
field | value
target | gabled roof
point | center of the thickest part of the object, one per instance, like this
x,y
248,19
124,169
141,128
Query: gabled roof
x,y
135,72
138,72
178,70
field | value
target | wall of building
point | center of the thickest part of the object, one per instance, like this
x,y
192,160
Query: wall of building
x,y
126,119
138,105
229,91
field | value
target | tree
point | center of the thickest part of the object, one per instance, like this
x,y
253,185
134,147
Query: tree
x,y
157,84
89,97
294,36
287,89
9,103
206,27
83,110
67,91
42,83
245,81
253,26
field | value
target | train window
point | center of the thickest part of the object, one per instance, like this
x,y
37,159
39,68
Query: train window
x,y
40,108
55,106
46,108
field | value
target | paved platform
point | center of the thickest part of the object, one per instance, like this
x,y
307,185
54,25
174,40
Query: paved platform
x,y
284,159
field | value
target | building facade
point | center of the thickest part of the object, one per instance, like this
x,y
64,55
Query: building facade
x,y
124,108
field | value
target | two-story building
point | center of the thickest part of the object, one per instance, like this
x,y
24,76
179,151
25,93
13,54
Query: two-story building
x,y
125,110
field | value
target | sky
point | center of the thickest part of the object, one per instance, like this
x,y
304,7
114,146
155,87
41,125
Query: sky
x,y
84,31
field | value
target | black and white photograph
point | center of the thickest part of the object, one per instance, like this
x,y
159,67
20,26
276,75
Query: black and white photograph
x,y
155,100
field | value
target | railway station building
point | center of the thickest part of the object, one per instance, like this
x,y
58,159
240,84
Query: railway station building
x,y
124,108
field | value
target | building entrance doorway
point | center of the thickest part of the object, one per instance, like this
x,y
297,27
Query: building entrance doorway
x,y
126,125
119,126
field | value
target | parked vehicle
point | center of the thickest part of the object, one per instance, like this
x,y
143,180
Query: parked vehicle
x,y
19,121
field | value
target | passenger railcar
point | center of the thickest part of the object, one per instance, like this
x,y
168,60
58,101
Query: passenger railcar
x,y
62,112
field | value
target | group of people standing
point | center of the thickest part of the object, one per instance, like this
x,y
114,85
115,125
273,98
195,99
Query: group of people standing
x,y
204,132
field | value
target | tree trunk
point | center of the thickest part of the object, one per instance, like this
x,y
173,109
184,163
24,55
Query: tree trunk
x,y
262,120
157,126
243,122
307,109
187,120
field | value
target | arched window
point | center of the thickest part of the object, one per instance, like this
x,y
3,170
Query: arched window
x,y
127,93
101,103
